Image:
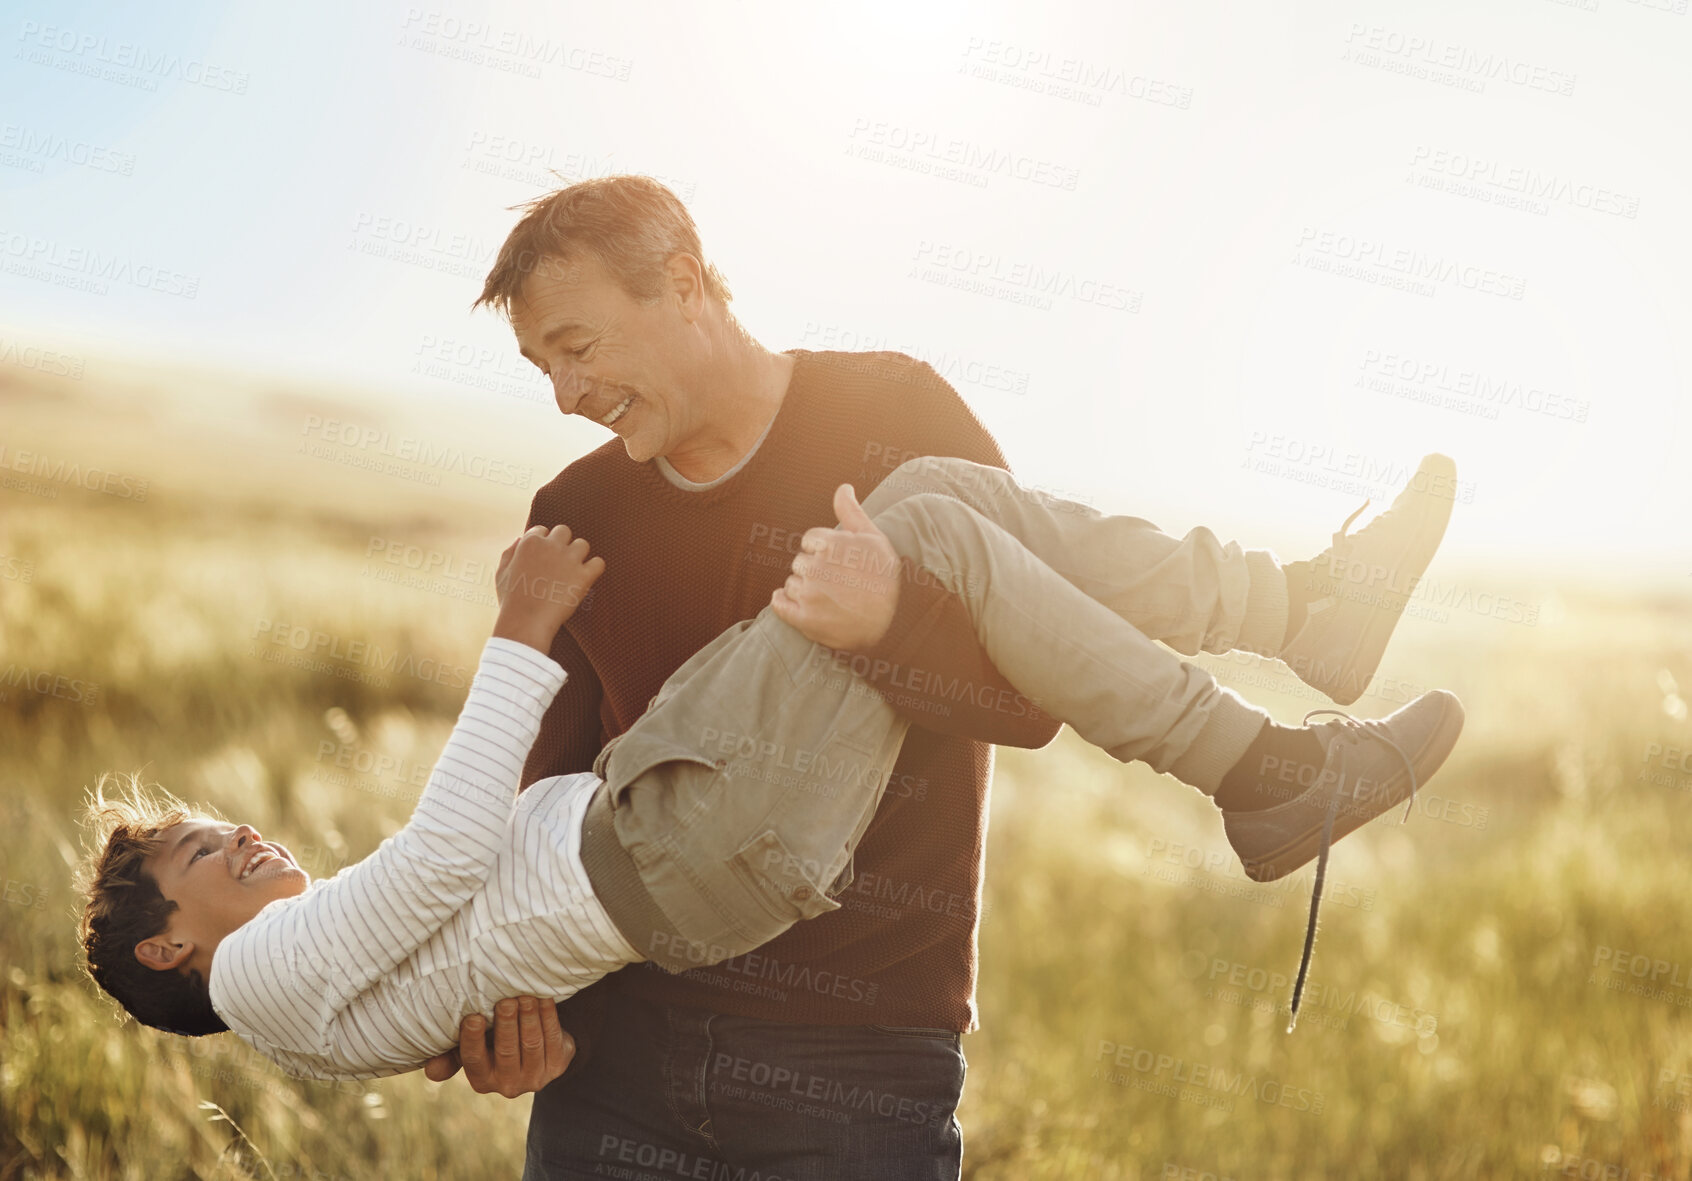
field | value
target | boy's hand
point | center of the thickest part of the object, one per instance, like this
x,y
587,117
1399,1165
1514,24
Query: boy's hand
x,y
844,587
541,580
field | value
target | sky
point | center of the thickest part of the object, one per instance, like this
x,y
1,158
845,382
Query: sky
x,y
1208,264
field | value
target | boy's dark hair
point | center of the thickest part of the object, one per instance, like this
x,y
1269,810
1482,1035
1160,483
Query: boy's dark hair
x,y
123,906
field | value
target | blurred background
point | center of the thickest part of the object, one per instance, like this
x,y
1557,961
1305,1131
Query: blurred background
x,y
1204,264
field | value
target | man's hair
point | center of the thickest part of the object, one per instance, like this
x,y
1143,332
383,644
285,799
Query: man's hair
x,y
632,224
123,906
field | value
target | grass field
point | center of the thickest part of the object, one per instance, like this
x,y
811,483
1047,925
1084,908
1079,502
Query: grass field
x,y
1502,988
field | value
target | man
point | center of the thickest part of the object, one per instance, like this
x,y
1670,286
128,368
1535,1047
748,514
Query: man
x,y
833,1050
726,453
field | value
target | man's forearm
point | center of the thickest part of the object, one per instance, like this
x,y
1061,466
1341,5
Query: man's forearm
x,y
932,669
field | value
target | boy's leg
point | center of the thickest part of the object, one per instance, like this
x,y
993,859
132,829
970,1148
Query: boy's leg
x,y
1329,618
1193,593
1068,652
732,807
1087,666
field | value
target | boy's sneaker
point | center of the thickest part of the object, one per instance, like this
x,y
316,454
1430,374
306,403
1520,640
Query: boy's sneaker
x,y
1370,766
1362,582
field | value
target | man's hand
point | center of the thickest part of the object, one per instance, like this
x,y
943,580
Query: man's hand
x,y
530,1049
844,587
542,578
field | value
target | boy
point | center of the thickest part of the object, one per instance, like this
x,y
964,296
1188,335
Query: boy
x,y
668,853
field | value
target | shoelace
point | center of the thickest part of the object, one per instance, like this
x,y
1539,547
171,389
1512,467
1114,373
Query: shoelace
x,y
1358,728
1343,535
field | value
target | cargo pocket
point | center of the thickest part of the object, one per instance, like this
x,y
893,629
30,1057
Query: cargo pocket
x,y
632,754
788,889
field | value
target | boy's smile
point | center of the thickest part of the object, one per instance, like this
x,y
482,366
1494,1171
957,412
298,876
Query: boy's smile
x,y
219,876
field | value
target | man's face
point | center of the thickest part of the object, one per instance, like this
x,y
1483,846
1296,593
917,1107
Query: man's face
x,y
610,359
220,876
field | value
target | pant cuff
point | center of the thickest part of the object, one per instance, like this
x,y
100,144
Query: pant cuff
x,y
1264,628
1233,724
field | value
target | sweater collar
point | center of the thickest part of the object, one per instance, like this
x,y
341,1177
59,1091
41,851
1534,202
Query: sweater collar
x,y
770,440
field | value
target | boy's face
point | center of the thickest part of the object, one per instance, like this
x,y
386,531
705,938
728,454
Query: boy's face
x,y
220,876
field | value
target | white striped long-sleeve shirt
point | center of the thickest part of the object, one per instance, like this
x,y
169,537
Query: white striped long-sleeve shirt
x,y
481,895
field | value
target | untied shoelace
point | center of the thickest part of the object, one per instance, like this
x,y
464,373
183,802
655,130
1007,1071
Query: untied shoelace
x,y
1327,840
1344,533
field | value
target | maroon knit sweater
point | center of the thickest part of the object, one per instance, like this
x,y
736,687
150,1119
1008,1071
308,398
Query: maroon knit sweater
x,y
681,566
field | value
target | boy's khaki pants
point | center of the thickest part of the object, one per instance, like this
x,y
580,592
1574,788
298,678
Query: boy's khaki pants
x,y
732,807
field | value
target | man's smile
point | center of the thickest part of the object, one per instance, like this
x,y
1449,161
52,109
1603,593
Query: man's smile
x,y
617,411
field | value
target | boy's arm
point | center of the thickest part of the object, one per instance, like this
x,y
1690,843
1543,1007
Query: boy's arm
x,y
344,934
296,967
569,738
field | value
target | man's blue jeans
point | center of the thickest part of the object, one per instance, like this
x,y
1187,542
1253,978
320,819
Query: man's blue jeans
x,y
686,1093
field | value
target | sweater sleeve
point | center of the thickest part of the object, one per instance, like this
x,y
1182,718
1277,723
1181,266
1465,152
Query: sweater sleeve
x,y
286,974
932,632
569,735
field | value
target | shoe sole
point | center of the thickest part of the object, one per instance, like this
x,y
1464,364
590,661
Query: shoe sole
x,y
1303,849
1354,676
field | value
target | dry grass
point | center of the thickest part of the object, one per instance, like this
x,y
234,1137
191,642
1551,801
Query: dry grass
x,y
1460,1028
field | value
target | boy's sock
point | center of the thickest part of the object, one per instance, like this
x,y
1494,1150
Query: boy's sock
x,y
1301,577
1279,765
